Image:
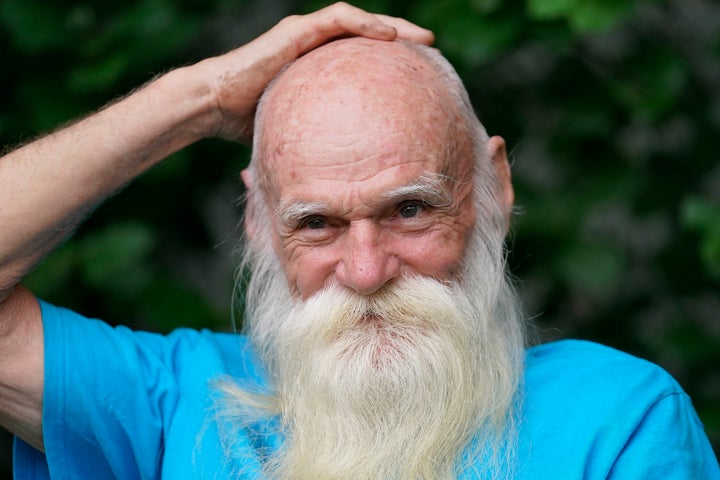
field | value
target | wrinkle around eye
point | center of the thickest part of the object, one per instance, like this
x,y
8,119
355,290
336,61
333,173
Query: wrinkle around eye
x,y
314,230
413,216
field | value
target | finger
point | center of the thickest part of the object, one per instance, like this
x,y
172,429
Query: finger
x,y
408,30
341,19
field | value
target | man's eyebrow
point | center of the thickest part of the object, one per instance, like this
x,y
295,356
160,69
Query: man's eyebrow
x,y
291,211
430,188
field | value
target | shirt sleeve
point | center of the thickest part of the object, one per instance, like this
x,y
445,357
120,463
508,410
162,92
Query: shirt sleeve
x,y
593,412
668,443
106,394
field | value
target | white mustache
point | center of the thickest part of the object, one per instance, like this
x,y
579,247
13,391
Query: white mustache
x,y
401,305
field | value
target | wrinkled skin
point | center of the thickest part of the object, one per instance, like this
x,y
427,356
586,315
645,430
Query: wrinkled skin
x,y
343,127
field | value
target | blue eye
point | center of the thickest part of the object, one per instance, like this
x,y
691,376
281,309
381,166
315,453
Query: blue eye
x,y
409,210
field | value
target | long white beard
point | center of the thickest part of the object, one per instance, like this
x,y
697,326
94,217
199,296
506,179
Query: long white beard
x,y
416,381
389,386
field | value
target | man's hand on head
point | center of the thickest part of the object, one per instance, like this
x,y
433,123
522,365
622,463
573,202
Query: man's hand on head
x,y
239,77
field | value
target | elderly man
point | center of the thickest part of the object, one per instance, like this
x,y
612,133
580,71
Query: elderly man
x,y
383,339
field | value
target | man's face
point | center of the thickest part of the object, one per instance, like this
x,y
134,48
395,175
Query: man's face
x,y
367,171
366,178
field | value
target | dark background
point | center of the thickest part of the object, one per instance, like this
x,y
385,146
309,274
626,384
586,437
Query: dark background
x,y
611,109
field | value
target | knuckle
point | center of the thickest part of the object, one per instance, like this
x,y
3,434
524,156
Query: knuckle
x,y
289,19
337,11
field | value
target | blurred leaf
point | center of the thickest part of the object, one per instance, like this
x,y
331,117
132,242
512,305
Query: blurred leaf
x,y
116,259
703,217
584,16
550,9
53,273
486,6
175,168
599,15
33,25
80,18
596,269
464,33
99,75
43,107
170,304
584,119
690,342
653,85
138,37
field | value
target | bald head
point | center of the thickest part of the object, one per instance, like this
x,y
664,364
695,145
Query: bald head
x,y
365,93
373,82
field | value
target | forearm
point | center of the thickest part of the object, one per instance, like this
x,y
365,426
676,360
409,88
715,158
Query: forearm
x,y
49,185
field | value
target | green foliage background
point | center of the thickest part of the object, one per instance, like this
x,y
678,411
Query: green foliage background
x,y
611,109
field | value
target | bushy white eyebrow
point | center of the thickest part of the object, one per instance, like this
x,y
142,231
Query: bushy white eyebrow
x,y
291,211
429,188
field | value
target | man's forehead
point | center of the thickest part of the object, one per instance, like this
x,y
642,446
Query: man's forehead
x,y
370,177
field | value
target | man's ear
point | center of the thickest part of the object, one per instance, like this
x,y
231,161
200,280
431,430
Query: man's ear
x,y
498,155
250,199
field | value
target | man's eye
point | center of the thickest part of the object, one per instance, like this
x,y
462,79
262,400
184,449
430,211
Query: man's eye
x,y
314,223
410,210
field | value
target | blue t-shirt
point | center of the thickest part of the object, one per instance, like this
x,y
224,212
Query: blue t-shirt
x,y
134,405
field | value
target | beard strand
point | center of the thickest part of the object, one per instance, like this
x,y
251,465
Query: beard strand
x,y
379,387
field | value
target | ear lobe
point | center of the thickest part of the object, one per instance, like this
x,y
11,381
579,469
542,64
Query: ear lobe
x,y
498,155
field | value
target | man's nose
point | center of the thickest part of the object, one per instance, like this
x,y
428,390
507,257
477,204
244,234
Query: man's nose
x,y
366,264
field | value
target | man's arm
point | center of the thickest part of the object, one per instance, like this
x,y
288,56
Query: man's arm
x,y
48,186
